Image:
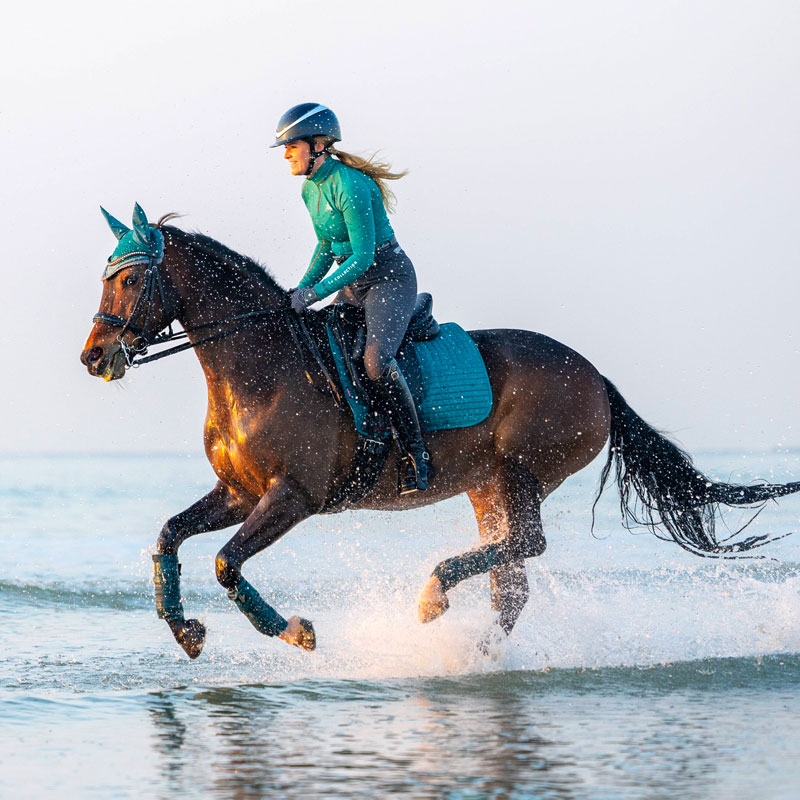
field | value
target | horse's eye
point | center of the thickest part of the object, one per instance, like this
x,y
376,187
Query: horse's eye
x,y
130,280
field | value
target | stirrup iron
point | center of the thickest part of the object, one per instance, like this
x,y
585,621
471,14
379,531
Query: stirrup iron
x,y
413,473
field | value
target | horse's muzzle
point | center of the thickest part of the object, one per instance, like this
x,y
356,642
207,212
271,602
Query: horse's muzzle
x,y
107,363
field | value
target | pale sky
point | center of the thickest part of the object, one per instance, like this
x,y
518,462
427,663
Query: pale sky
x,y
621,175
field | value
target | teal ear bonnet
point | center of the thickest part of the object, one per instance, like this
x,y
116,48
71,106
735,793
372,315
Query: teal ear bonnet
x,y
143,244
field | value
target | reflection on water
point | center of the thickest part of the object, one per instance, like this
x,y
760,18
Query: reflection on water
x,y
355,741
509,735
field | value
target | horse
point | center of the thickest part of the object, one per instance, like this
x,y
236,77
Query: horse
x,y
280,447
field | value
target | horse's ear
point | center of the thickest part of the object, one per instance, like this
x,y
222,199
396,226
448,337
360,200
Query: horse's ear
x,y
141,228
119,229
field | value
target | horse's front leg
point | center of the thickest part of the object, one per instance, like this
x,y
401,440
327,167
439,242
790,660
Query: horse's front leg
x,y
220,508
281,508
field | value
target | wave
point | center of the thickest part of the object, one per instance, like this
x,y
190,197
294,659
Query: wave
x,y
92,637
331,590
55,595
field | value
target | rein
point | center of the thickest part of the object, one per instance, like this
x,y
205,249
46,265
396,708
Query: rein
x,y
244,319
303,337
135,352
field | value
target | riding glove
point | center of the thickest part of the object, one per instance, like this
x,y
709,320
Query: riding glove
x,y
302,298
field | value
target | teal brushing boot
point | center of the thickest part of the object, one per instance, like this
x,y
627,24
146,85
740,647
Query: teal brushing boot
x,y
265,619
190,634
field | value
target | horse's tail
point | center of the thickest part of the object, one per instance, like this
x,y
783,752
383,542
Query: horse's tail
x,y
661,490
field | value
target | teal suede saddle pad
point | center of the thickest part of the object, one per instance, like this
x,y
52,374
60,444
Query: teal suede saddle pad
x,y
446,375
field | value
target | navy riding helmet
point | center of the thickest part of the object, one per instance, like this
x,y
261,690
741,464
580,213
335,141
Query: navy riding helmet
x,y
304,121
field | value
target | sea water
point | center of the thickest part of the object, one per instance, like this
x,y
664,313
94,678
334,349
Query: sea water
x,y
635,671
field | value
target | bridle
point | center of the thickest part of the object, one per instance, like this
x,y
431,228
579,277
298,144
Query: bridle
x,y
151,283
135,352
145,245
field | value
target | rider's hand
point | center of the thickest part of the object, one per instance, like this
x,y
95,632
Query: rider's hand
x,y
302,298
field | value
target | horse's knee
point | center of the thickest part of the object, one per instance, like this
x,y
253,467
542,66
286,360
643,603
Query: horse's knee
x,y
228,573
167,542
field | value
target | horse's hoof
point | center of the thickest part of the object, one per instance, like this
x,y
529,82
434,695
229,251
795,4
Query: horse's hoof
x,y
191,636
432,601
307,639
300,633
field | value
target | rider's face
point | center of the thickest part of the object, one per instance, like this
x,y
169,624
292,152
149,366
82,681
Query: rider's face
x,y
298,154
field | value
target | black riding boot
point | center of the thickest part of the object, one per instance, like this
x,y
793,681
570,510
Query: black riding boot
x,y
399,405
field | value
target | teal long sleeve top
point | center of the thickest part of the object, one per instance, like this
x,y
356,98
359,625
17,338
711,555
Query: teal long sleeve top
x,y
350,221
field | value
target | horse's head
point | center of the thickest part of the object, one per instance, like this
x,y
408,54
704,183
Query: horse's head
x,y
136,304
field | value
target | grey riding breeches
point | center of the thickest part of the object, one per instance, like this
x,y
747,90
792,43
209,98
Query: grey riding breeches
x,y
387,292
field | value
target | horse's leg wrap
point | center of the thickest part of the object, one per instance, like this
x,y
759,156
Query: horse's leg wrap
x,y
167,581
453,570
264,617
456,569
189,634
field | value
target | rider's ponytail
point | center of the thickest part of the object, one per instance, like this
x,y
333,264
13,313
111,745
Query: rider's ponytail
x,y
379,171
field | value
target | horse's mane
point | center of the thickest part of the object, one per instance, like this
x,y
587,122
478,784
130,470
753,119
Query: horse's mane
x,y
217,251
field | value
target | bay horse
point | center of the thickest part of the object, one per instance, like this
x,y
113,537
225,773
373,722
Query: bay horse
x,y
280,447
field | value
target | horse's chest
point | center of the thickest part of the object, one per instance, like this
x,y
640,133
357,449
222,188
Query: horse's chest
x,y
249,443
237,430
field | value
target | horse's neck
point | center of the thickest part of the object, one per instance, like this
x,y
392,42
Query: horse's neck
x,y
203,315
235,318
210,295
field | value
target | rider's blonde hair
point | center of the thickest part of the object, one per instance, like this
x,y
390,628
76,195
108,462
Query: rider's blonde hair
x,y
379,171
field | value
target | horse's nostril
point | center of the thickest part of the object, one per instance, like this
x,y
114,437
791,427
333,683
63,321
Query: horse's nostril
x,y
95,354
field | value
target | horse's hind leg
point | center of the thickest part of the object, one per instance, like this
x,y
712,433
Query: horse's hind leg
x,y
510,592
509,521
218,509
508,582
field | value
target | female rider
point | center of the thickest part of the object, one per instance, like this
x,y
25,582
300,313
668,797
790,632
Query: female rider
x,y
347,198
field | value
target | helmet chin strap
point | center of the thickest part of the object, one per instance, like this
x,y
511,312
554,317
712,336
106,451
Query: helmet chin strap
x,y
314,156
